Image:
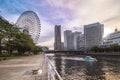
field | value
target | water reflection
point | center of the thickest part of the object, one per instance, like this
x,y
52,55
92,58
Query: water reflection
x,y
106,68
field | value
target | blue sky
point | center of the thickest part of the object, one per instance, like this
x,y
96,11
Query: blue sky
x,y
70,14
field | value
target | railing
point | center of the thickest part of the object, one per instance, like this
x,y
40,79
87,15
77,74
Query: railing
x,y
51,71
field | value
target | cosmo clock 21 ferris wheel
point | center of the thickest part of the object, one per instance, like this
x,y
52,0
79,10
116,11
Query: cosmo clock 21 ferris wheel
x,y
29,23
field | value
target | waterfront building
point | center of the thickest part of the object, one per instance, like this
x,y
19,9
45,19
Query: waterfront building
x,y
57,44
62,45
113,38
76,40
68,40
93,34
82,42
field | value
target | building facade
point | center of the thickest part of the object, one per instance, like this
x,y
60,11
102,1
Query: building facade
x,y
82,42
76,40
57,44
113,38
68,40
62,45
93,34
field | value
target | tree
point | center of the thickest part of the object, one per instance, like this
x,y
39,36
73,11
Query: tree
x,y
7,32
3,27
111,48
95,48
115,47
36,49
14,39
23,43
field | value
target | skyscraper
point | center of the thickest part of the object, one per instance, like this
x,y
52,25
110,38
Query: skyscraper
x,y
68,40
62,45
82,43
93,34
57,44
76,40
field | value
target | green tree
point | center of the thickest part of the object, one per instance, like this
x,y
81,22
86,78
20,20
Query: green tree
x,y
115,47
3,27
23,43
15,40
95,48
8,32
36,49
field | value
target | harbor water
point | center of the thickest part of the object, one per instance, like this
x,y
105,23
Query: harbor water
x,y
78,68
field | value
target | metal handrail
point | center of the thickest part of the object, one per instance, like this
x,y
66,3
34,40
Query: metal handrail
x,y
48,61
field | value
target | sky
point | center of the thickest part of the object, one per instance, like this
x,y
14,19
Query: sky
x,y
70,14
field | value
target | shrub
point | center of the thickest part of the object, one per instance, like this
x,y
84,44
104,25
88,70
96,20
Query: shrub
x,y
5,55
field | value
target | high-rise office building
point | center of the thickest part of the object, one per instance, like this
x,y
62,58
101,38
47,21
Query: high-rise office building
x,y
62,45
57,44
93,34
76,40
68,40
82,42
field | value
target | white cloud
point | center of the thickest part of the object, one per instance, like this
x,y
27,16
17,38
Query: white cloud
x,y
72,13
84,12
49,43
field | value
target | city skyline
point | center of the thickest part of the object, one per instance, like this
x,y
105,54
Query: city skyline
x,y
79,13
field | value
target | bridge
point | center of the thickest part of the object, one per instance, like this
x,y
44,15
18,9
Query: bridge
x,y
63,51
83,53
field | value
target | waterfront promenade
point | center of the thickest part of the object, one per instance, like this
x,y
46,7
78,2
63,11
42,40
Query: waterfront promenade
x,y
21,68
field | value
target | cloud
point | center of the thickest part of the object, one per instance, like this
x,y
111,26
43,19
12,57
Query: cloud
x,y
70,14
47,31
49,43
114,18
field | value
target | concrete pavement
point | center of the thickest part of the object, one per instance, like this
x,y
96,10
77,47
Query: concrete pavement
x,y
21,68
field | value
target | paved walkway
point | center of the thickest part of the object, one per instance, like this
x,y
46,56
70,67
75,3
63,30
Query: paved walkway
x,y
21,68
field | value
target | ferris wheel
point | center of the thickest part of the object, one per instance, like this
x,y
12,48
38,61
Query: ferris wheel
x,y
29,23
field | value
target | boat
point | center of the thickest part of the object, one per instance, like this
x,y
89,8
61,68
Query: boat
x,y
89,58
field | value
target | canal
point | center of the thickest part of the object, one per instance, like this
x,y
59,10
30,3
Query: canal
x,y
76,68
